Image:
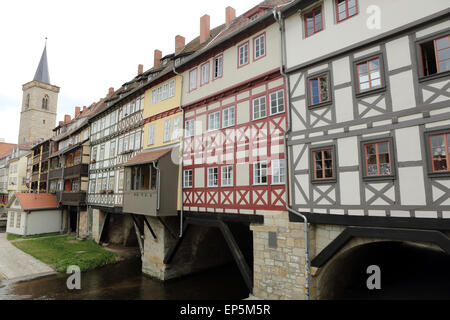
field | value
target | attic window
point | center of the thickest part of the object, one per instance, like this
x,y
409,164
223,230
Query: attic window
x,y
254,17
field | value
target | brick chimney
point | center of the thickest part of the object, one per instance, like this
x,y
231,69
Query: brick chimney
x,y
157,59
205,30
140,69
111,91
67,118
230,15
77,111
180,42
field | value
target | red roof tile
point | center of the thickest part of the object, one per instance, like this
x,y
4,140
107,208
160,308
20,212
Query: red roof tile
x,y
37,201
147,157
6,148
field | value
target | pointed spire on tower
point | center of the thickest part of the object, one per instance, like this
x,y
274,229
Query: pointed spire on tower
x,y
42,74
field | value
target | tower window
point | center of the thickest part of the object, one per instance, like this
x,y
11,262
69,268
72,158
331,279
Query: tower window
x,y
27,102
45,102
43,121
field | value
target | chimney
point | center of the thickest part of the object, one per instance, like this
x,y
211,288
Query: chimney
x,y
77,111
67,118
84,108
230,15
158,56
110,91
61,123
140,69
180,42
205,30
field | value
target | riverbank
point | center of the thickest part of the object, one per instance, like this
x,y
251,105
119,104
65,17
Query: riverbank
x,y
60,252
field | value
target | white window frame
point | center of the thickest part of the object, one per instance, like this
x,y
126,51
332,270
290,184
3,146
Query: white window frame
x,y
214,176
277,93
215,121
227,118
193,79
243,56
176,128
225,182
261,47
218,67
204,73
189,128
167,133
190,174
257,179
151,135
259,99
278,178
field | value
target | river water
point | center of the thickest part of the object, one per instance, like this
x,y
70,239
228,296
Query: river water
x,y
124,281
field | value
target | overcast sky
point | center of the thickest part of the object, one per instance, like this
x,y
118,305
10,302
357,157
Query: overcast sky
x,y
92,45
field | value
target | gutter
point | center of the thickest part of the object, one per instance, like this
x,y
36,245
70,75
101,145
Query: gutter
x,y
181,153
159,185
283,57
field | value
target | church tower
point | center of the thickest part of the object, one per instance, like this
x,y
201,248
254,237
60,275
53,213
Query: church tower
x,y
39,105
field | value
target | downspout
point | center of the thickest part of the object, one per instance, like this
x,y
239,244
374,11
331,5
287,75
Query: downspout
x,y
158,184
283,58
181,154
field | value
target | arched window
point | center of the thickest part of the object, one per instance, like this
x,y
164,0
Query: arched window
x,y
45,102
27,102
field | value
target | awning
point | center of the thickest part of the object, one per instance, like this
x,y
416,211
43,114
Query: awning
x,y
147,157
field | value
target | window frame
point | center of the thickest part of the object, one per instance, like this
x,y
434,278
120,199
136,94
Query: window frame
x,y
419,42
392,159
214,67
253,107
278,106
151,129
209,122
239,65
312,171
346,10
312,11
367,59
315,76
187,132
254,173
207,177
222,171
192,178
254,46
429,157
223,117
169,137
272,173
202,82
196,79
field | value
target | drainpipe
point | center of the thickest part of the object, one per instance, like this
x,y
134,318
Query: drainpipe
x,y
283,56
181,152
158,184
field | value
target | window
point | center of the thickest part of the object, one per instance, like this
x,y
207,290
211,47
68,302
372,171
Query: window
x,y
277,102
377,157
205,74
278,171
440,152
319,90
193,80
166,137
112,149
218,67
125,144
45,102
346,9
228,117
260,173
102,152
188,178
435,56
323,164
213,177
176,128
11,219
120,150
189,128
313,21
259,44
259,108
369,75
131,142
138,140
151,135
227,176
214,121
18,220
243,54
27,101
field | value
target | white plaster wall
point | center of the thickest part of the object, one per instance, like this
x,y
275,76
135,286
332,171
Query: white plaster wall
x,y
348,151
349,185
408,144
199,177
398,53
403,96
39,222
344,104
412,188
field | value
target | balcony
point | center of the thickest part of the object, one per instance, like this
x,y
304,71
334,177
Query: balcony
x,y
143,202
76,171
35,177
76,198
55,174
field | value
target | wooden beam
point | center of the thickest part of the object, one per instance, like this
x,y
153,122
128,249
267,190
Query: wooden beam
x,y
150,228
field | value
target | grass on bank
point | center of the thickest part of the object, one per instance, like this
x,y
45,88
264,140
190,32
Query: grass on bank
x,y
12,237
62,252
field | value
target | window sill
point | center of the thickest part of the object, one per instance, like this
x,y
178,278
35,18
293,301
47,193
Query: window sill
x,y
259,118
378,178
434,76
370,92
277,113
320,105
437,175
327,181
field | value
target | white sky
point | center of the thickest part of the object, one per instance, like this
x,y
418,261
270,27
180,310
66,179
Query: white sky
x,y
92,45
